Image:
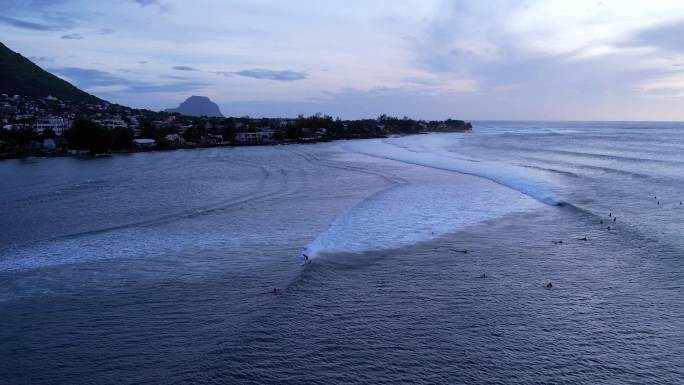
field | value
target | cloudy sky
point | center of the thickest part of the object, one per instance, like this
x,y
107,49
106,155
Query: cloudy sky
x,y
545,59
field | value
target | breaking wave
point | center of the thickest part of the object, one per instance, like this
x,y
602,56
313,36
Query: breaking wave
x,y
420,210
430,151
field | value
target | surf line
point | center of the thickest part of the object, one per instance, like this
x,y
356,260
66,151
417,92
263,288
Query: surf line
x,y
537,190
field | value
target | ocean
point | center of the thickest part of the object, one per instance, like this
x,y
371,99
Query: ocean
x,y
157,268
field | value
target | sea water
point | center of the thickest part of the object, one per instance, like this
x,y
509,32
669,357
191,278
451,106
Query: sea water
x,y
157,267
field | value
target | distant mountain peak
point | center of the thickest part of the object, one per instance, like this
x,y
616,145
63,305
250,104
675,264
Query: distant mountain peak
x,y
198,106
20,76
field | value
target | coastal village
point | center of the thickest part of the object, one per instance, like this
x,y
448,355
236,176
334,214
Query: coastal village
x,y
49,126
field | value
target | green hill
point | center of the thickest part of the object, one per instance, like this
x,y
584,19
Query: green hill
x,y
19,76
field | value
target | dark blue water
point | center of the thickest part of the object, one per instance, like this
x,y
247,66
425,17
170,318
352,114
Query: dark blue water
x,y
156,267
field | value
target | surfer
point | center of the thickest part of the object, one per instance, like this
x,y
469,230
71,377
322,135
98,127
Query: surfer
x,y
275,291
483,275
306,258
549,285
615,219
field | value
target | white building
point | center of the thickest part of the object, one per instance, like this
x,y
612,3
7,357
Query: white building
x,y
175,139
144,142
15,126
56,124
112,124
254,137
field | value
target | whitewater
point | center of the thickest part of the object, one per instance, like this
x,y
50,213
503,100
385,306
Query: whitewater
x,y
427,203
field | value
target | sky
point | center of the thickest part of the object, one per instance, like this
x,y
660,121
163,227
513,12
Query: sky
x,y
426,59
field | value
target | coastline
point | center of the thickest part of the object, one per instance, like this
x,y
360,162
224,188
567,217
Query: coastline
x,y
132,150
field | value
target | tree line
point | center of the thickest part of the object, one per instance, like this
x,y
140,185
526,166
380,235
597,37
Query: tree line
x,y
86,134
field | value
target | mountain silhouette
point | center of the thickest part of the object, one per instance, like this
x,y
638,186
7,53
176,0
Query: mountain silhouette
x,y
198,106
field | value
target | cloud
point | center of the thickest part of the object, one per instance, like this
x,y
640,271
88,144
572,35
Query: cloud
x,y
177,87
72,36
283,76
667,85
27,24
44,59
96,79
184,68
46,2
173,77
163,7
145,3
85,77
667,36
489,58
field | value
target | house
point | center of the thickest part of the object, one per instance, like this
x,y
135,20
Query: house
x,y
24,117
264,136
56,124
313,136
112,123
174,139
144,143
134,121
213,139
17,126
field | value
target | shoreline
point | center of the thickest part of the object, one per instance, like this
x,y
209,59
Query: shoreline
x,y
132,150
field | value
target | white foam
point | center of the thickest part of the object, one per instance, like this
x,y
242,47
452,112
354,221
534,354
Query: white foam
x,y
430,151
454,191
137,242
410,213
